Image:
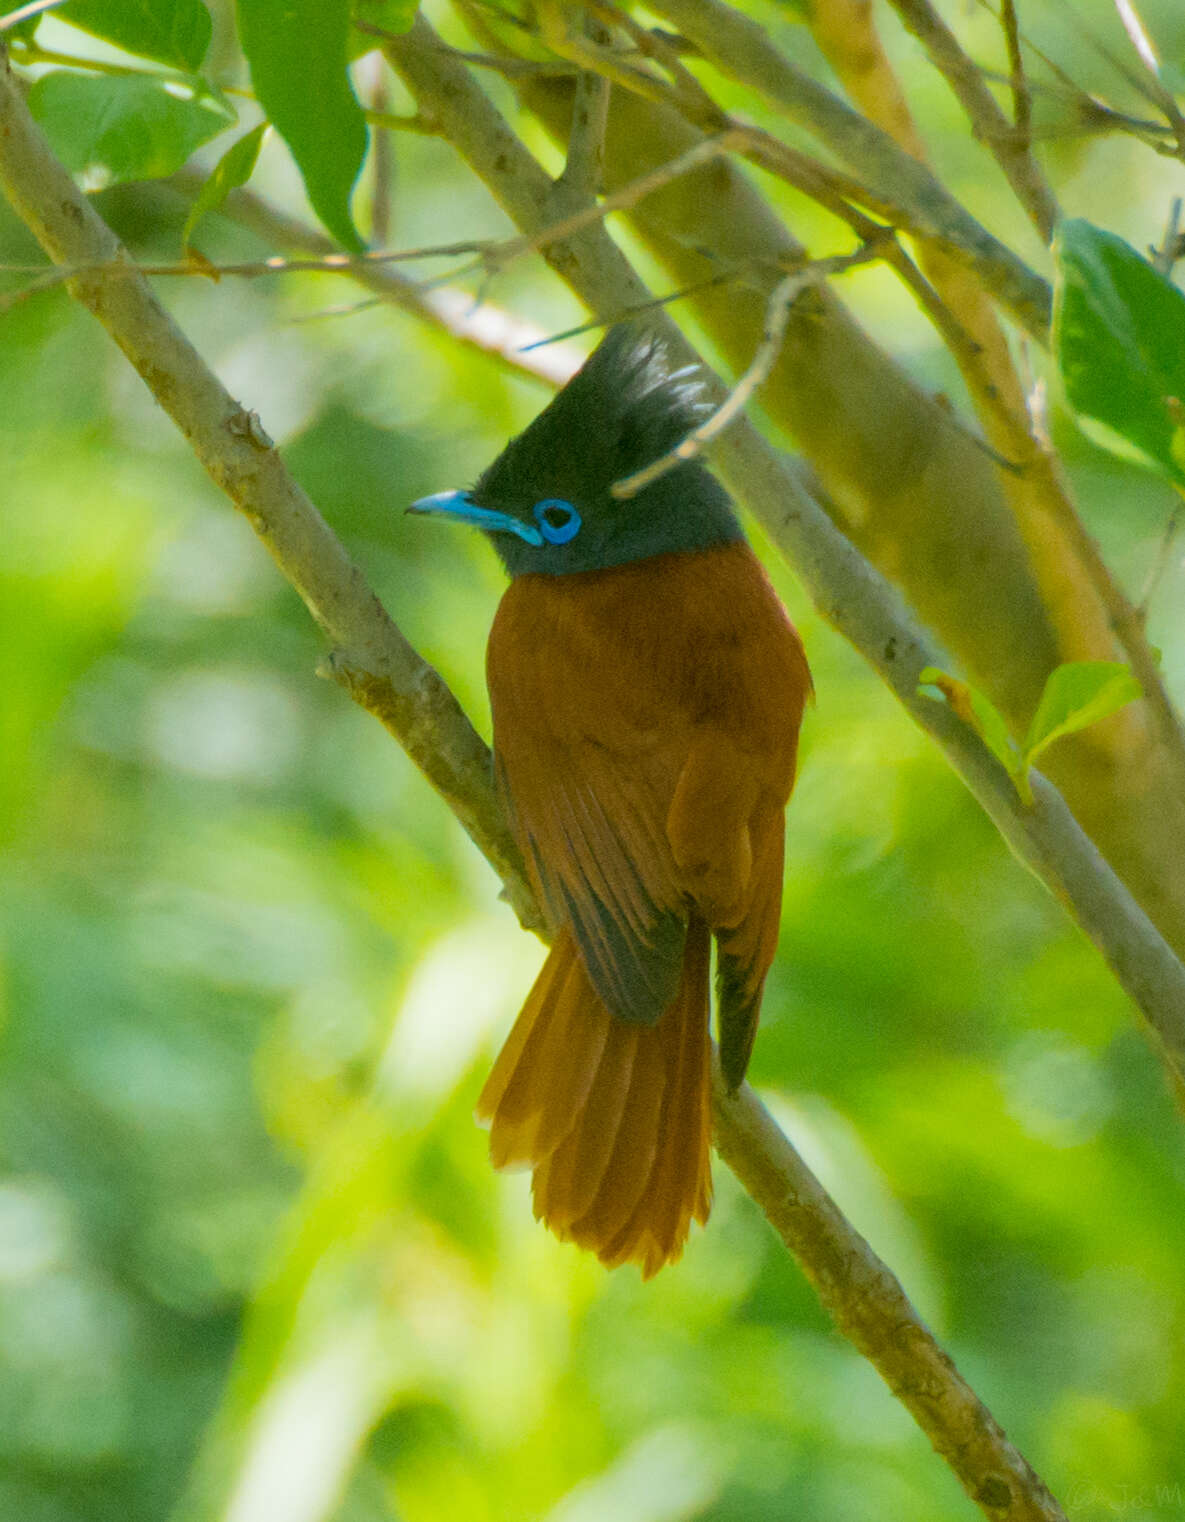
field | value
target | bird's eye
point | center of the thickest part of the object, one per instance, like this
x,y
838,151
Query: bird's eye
x,y
558,520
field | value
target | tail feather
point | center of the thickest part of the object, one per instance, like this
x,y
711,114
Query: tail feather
x,y
622,1190
546,1091
614,1118
516,1043
680,1186
567,1184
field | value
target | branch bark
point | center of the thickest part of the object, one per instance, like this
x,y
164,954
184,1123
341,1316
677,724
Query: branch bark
x,y
1008,144
873,1312
392,679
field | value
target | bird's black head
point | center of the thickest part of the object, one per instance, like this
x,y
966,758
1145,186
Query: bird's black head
x,y
546,501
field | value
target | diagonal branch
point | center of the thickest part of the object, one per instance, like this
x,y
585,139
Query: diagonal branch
x,y
873,1312
232,446
1008,144
1084,601
380,668
738,47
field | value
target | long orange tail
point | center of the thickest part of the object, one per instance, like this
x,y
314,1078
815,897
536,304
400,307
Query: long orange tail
x,y
614,1119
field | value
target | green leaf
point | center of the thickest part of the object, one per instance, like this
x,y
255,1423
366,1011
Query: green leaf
x,y
391,15
232,170
176,32
113,128
977,711
1076,695
1119,339
297,53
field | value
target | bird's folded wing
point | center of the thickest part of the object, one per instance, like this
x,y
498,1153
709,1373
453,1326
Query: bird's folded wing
x,y
644,727
591,822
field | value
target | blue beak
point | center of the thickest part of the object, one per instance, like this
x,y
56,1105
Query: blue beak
x,y
461,506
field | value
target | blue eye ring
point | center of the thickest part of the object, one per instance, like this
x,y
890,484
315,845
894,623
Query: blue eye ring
x,y
558,520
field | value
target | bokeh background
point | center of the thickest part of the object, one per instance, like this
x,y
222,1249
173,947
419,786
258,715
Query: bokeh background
x,y
253,1263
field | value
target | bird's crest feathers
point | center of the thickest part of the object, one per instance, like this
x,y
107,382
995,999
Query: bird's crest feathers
x,y
621,411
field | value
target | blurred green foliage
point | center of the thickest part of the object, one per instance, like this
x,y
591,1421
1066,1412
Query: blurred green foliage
x,y
253,1263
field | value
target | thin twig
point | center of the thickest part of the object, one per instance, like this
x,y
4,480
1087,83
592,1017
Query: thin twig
x,y
777,315
639,308
489,254
1169,251
1022,99
1163,556
1008,143
1141,42
490,330
620,200
584,168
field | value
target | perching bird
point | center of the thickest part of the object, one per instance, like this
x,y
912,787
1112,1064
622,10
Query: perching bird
x,y
647,689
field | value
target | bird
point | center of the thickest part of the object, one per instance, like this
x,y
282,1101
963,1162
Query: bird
x,y
646,690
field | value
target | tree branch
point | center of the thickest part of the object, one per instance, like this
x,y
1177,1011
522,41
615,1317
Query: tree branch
x,y
740,49
1008,144
400,687
871,1309
1089,610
